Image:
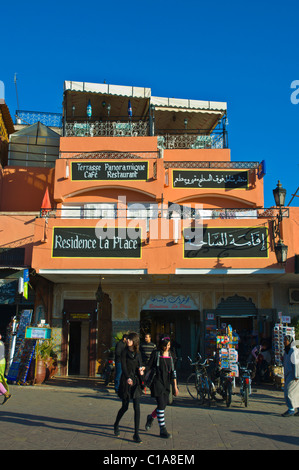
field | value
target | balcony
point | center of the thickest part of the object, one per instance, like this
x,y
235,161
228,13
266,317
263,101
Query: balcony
x,y
101,110
119,127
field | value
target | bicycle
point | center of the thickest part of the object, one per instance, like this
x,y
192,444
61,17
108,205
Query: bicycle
x,y
245,384
199,385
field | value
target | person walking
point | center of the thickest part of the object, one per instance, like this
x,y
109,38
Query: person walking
x,y
291,376
4,389
118,350
146,348
130,383
165,377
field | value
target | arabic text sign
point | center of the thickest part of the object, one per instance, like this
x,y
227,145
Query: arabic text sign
x,y
229,242
170,302
110,171
222,179
83,242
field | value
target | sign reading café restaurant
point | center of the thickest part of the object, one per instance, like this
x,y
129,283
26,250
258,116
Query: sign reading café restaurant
x,y
84,242
127,170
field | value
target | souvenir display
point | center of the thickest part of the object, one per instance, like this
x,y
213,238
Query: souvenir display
x,y
227,351
279,332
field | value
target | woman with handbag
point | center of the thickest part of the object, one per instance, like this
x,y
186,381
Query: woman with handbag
x,y
163,375
130,383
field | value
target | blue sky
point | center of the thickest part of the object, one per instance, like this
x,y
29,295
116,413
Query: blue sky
x,y
244,53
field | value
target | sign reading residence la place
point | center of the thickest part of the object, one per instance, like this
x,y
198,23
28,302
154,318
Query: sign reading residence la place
x,y
125,170
84,242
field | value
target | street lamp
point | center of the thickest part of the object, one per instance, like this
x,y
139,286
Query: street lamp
x,y
279,194
281,250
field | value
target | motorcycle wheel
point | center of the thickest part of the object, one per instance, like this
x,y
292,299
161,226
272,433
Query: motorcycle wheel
x,y
229,391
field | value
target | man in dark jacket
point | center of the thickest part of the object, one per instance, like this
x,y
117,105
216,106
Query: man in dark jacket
x,y
120,346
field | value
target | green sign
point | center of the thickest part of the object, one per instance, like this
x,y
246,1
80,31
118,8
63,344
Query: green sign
x,y
37,333
214,179
110,170
85,242
228,242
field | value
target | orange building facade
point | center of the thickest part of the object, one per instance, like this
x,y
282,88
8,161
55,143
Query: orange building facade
x,y
149,226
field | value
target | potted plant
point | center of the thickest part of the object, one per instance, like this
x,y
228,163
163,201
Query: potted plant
x,y
46,361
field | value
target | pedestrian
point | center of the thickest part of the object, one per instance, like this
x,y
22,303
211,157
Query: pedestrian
x,y
165,377
4,389
291,376
130,383
118,350
146,348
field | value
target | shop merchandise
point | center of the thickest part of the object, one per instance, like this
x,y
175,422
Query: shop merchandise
x,y
227,351
279,332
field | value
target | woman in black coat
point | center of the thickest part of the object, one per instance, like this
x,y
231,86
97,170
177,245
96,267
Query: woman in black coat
x,y
130,383
162,360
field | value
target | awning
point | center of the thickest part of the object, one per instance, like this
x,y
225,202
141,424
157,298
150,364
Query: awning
x,y
9,274
170,113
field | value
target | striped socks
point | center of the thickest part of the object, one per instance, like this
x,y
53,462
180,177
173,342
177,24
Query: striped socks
x,y
161,418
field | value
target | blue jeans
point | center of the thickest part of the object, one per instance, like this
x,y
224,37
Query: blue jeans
x,y
117,375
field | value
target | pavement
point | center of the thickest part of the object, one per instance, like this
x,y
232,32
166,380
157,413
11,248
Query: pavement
x,y
72,413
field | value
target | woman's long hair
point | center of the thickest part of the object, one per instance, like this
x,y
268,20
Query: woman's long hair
x,y
136,341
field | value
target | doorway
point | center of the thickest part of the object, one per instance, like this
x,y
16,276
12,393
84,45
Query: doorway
x,y
79,338
179,326
78,348
74,348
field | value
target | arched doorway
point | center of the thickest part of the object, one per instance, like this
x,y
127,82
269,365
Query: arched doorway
x,y
238,312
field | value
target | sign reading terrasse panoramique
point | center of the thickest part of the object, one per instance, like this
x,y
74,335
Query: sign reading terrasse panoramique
x,y
222,179
229,242
85,242
124,170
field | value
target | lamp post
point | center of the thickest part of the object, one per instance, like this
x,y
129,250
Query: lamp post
x,y
281,250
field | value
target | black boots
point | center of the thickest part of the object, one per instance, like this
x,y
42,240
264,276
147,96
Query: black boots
x,y
116,430
137,439
149,422
164,434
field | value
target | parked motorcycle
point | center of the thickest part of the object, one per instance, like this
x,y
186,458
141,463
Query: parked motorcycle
x,y
245,383
223,385
109,369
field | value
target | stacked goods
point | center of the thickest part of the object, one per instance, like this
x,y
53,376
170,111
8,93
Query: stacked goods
x,y
280,331
228,355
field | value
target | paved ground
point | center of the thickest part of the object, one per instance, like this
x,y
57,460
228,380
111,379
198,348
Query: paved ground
x,y
77,414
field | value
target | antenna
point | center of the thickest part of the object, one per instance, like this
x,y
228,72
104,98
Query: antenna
x,y
15,80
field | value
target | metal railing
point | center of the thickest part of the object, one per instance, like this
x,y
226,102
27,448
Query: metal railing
x,y
161,211
191,139
118,128
28,118
122,126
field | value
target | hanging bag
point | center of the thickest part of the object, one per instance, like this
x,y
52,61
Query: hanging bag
x,y
151,374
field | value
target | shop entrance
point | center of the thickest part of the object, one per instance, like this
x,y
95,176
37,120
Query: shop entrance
x,y
78,348
180,326
79,337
